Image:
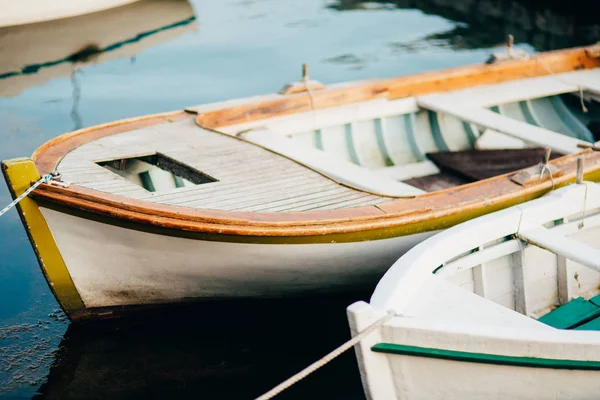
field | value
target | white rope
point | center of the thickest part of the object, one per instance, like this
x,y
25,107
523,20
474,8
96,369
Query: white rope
x,y
579,87
318,364
581,224
45,178
520,54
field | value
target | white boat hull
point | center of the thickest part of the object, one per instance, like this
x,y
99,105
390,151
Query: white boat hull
x,y
116,266
469,304
30,11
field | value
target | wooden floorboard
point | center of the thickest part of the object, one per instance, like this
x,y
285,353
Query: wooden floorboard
x,y
250,178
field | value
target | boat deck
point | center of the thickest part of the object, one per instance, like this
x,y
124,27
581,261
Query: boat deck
x,y
249,178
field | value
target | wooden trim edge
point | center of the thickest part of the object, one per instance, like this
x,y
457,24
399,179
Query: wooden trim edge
x,y
19,173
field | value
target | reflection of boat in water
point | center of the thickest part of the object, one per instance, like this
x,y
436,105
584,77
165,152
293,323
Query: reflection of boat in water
x,y
172,354
546,25
30,55
31,11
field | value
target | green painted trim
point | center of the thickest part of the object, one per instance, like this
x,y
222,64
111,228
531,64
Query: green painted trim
x,y
381,143
436,131
526,109
318,139
147,181
482,358
350,144
19,173
410,122
470,134
578,128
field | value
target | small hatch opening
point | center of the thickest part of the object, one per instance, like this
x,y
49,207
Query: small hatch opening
x,y
156,172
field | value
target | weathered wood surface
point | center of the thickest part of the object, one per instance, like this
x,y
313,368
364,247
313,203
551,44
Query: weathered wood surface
x,y
475,165
250,178
254,109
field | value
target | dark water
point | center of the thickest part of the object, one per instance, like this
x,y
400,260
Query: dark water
x,y
56,77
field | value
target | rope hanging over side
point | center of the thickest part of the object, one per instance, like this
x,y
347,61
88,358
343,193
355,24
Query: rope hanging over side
x,y
546,168
323,361
513,53
45,178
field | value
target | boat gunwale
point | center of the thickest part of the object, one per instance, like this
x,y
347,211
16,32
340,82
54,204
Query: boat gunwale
x,y
408,214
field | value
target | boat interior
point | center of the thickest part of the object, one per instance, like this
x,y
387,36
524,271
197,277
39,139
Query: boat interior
x,y
539,259
361,153
439,141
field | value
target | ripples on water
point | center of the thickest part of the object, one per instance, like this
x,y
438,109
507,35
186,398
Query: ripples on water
x,y
154,56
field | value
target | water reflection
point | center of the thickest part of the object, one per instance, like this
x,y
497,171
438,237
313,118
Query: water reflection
x,y
482,23
33,54
226,350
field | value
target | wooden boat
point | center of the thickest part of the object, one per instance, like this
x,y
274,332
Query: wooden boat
x,y
502,306
313,189
35,53
30,11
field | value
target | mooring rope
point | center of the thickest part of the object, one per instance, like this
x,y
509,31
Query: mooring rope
x,y
520,54
45,178
323,361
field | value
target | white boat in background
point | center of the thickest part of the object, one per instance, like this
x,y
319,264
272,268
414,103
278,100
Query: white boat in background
x,y
23,12
30,55
500,307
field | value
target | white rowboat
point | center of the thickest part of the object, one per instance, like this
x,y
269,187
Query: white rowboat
x,y
499,307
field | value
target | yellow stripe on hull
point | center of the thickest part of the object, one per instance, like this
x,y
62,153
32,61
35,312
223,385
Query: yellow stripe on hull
x,y
19,173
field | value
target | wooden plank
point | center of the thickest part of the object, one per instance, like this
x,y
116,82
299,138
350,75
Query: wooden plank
x,y
407,86
479,75
298,201
593,325
511,92
346,173
365,201
332,202
475,165
518,129
563,280
237,190
348,200
521,293
575,313
435,182
252,200
409,171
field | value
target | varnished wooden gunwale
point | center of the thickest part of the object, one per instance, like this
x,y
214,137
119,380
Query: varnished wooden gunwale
x,y
424,213
398,217
405,86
